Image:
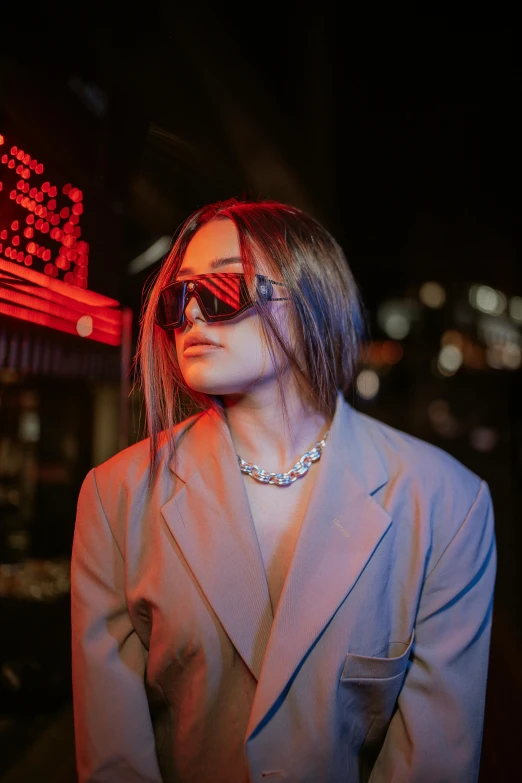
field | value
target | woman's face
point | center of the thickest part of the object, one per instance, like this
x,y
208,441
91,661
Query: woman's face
x,y
242,362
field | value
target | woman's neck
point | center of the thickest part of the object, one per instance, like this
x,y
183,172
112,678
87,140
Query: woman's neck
x,y
259,431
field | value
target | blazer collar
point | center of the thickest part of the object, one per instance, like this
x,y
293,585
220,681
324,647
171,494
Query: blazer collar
x,y
209,516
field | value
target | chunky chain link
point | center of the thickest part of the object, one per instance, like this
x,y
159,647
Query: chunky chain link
x,y
283,479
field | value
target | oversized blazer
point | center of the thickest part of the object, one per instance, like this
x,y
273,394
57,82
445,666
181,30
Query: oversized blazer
x,y
374,666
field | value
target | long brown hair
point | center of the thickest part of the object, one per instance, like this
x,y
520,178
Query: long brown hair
x,y
327,309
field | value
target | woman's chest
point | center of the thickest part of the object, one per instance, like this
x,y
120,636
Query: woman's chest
x,y
277,514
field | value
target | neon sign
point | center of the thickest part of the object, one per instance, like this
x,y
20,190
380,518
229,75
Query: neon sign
x,y
43,259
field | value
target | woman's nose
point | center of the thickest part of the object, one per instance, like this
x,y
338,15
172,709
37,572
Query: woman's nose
x,y
193,310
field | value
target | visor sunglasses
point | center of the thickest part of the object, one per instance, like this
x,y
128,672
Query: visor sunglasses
x,y
221,297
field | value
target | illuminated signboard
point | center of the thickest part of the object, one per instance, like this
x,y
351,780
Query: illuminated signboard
x,y
43,259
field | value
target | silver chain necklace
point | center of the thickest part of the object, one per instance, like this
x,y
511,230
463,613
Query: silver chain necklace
x,y
283,479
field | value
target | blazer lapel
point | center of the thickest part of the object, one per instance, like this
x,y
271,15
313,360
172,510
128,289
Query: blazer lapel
x,y
210,519
342,527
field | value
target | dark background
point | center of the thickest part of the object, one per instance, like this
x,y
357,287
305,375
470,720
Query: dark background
x,y
399,132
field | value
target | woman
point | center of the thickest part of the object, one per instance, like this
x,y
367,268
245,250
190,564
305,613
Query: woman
x,y
237,619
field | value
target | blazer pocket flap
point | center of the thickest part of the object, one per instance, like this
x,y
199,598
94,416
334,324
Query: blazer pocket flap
x,y
368,667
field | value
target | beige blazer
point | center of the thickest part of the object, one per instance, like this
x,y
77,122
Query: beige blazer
x,y
374,666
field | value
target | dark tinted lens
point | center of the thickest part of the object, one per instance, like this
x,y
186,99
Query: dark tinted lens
x,y
222,294
169,305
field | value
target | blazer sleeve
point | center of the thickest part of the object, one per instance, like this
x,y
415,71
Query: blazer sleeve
x,y
113,730
435,734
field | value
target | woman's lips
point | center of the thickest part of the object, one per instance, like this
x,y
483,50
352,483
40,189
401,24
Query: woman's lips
x,y
200,349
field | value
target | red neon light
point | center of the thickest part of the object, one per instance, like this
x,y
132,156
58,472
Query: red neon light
x,y
59,311
56,323
103,314
80,295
